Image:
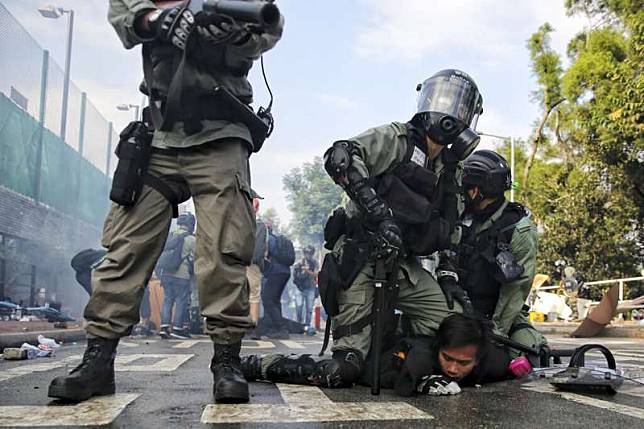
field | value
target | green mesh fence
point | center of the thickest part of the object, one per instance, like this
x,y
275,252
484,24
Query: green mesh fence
x,y
68,182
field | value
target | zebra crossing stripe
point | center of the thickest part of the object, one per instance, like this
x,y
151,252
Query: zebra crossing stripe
x,y
626,410
98,411
310,404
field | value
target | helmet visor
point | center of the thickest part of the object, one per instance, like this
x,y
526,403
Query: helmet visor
x,y
451,95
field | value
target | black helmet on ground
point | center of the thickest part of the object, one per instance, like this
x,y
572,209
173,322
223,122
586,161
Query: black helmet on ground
x,y
489,171
449,104
187,220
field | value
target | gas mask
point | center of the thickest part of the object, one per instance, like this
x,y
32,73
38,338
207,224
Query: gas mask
x,y
449,105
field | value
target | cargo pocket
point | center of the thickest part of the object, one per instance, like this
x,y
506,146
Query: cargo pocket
x,y
238,237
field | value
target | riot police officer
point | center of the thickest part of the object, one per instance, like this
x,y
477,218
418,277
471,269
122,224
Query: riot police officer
x,y
200,148
403,181
498,249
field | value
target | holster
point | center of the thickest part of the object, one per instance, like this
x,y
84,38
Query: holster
x,y
133,151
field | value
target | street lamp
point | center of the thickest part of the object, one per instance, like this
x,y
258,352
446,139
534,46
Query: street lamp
x,y
127,107
53,12
511,156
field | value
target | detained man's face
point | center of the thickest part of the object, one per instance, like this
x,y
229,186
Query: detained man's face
x,y
457,362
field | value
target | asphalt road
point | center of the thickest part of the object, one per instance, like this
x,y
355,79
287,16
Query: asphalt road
x,y
163,384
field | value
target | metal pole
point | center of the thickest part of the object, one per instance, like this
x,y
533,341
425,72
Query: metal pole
x,y
81,133
109,149
621,290
81,147
68,55
512,167
41,120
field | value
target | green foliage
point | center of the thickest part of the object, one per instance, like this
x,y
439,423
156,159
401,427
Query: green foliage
x,y
587,181
311,196
546,66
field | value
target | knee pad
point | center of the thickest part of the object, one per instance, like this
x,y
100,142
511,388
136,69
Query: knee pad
x,y
343,370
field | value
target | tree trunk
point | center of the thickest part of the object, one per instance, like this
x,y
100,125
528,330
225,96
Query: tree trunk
x,y
536,138
563,143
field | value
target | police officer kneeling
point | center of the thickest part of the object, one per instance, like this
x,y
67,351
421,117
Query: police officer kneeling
x,y
403,181
200,148
498,250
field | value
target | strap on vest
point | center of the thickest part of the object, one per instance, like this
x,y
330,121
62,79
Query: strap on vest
x,y
164,189
344,330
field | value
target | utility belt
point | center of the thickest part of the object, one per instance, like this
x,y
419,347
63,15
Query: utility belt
x,y
221,105
134,151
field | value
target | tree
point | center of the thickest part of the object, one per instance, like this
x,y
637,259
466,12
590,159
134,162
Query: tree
x,y
546,66
587,184
311,197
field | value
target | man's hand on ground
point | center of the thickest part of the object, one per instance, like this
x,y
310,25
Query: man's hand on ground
x,y
437,385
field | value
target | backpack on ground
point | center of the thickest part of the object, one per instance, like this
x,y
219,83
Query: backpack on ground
x,y
172,255
284,251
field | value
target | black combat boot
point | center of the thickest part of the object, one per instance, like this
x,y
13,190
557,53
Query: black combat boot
x,y
93,377
343,370
230,386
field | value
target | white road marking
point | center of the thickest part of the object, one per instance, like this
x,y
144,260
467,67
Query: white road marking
x,y
98,411
292,344
37,367
627,410
186,344
303,405
297,394
251,344
127,344
257,344
167,362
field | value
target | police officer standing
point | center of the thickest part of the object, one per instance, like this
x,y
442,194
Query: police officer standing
x,y
498,249
403,180
203,152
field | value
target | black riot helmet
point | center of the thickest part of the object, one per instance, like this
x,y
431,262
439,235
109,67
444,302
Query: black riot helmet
x,y
449,104
489,171
188,220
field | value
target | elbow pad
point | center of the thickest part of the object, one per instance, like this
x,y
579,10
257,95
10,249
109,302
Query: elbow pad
x,y
337,161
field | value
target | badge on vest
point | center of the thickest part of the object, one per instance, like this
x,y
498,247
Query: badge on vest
x,y
419,157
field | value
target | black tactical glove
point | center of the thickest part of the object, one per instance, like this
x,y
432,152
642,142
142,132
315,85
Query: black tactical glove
x,y
222,31
390,236
437,385
448,281
173,25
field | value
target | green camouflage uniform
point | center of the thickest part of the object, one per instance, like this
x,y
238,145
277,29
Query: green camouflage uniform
x,y
211,166
420,297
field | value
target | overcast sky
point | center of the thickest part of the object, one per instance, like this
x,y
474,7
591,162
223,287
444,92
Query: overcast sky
x,y
341,67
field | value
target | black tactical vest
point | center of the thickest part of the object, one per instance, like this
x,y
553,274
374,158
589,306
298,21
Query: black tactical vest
x,y
477,259
424,204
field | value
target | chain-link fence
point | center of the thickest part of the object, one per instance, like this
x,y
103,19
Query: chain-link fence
x,y
70,175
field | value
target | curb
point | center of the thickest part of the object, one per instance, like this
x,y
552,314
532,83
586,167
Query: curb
x,y
609,331
60,335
